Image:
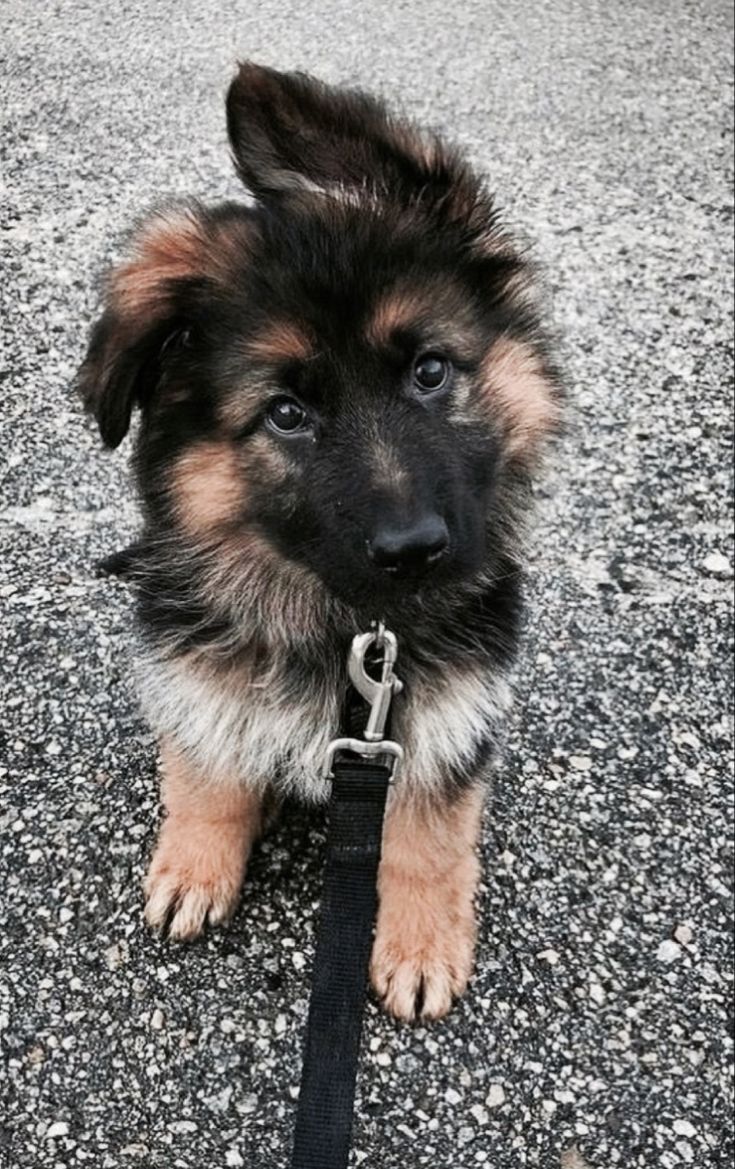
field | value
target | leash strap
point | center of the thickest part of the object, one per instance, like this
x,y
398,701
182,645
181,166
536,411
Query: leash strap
x,y
344,942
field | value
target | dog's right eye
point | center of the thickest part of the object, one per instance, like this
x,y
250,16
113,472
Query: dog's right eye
x,y
286,416
431,373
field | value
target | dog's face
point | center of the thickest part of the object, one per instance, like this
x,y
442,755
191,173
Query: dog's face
x,y
336,383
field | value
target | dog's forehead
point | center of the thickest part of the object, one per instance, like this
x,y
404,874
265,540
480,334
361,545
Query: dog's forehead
x,y
356,272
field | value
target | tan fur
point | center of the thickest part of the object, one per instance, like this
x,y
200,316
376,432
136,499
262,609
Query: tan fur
x,y
252,583
425,939
170,246
398,310
281,341
516,384
243,572
199,863
231,240
173,245
208,487
244,577
441,310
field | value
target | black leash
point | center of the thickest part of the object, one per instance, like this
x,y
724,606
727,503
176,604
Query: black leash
x,y
349,902
360,785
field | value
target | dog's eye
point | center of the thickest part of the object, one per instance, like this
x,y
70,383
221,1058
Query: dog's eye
x,y
431,372
286,416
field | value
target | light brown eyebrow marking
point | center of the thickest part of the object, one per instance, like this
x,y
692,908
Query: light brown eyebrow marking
x,y
281,341
440,309
398,310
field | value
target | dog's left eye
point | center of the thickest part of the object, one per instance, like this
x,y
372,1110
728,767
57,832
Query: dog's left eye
x,y
431,372
286,416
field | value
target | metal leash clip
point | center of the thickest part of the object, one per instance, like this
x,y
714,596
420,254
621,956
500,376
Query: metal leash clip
x,y
378,693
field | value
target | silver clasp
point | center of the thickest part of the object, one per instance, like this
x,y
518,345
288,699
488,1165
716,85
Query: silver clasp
x,y
379,693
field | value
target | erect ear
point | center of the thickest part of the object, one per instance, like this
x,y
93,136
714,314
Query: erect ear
x,y
146,304
289,132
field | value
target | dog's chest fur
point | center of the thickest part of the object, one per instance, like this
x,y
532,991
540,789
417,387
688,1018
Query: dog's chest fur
x,y
271,725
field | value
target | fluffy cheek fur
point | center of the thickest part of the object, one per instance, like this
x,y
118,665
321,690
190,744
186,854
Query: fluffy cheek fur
x,y
517,390
212,489
207,489
214,484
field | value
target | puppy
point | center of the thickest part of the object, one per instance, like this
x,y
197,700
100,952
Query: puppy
x,y
344,393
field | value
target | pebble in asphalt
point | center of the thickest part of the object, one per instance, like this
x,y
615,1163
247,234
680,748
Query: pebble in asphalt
x,y
595,1031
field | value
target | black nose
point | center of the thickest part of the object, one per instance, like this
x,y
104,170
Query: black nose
x,y
415,547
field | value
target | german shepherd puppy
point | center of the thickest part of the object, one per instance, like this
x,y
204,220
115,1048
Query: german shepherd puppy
x,y
344,393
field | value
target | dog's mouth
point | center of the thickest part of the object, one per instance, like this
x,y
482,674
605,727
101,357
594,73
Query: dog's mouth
x,y
401,576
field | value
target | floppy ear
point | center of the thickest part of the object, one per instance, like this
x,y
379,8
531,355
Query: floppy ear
x,y
289,132
146,304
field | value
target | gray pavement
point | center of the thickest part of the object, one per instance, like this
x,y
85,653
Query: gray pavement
x,y
595,1032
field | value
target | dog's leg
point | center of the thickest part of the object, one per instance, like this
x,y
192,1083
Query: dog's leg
x,y
425,940
199,862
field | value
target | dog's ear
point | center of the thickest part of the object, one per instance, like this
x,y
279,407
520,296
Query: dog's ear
x,y
146,306
290,132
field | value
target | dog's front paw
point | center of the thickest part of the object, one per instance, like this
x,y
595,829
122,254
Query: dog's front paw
x,y
199,863
425,940
420,966
192,881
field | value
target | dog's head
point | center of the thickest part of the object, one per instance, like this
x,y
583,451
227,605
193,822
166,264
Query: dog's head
x,y
340,379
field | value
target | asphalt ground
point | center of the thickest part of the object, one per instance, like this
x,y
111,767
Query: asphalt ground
x,y
595,1033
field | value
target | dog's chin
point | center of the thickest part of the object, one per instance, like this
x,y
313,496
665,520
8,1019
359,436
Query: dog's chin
x,y
372,594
